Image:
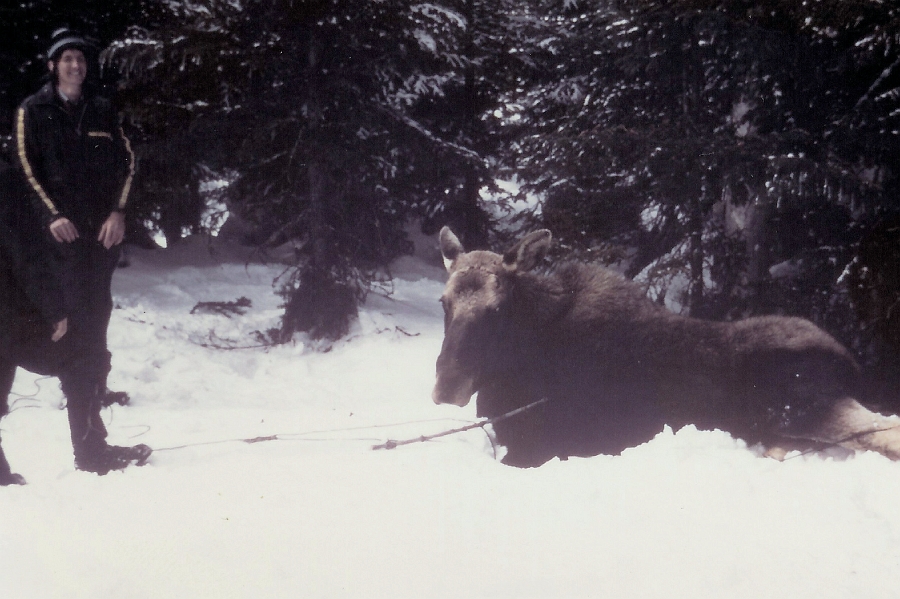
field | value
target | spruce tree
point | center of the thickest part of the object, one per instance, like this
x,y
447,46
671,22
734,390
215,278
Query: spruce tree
x,y
340,121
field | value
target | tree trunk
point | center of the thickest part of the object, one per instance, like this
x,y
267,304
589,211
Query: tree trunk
x,y
759,257
474,219
321,300
695,259
315,169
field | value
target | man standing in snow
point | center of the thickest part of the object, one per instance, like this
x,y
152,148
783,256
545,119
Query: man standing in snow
x,y
79,167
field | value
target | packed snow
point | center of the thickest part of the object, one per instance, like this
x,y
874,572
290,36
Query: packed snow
x,y
264,482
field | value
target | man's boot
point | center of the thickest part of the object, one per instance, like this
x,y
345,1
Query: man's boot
x,y
92,452
104,458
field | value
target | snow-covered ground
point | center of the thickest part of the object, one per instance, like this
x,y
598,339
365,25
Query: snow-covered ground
x,y
316,512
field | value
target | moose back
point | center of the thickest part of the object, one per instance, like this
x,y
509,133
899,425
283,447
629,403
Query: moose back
x,y
613,367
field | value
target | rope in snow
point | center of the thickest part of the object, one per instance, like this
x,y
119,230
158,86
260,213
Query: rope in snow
x,y
276,437
27,397
304,436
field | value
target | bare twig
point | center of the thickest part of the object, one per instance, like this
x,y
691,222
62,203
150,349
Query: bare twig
x,y
391,444
840,442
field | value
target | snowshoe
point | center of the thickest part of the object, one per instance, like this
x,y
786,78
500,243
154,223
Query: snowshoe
x,y
110,397
112,457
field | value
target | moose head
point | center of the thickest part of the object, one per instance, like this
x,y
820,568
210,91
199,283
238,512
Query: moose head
x,y
477,311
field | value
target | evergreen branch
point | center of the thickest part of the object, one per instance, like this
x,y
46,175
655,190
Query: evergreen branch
x,y
457,149
884,75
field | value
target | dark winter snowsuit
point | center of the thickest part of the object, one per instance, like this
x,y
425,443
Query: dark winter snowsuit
x,y
78,164
31,302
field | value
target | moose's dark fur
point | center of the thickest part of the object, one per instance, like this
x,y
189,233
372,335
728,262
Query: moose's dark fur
x,y
615,367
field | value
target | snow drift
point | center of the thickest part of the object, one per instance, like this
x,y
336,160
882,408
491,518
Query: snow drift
x,y
314,512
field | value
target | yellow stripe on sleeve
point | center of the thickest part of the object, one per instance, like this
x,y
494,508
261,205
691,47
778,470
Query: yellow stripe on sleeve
x,y
26,165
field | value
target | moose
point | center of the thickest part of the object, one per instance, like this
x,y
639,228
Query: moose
x,y
607,368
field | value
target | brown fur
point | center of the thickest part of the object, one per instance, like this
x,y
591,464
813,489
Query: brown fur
x,y
616,367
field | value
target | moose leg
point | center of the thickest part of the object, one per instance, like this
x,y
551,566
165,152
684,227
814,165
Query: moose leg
x,y
851,425
7,375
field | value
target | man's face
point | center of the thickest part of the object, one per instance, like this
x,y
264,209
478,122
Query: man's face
x,y
71,68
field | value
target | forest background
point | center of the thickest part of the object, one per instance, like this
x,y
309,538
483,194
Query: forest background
x,y
737,157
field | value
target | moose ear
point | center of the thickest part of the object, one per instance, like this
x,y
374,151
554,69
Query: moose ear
x,y
528,251
451,248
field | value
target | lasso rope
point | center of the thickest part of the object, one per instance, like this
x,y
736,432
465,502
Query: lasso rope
x,y
304,436
26,397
